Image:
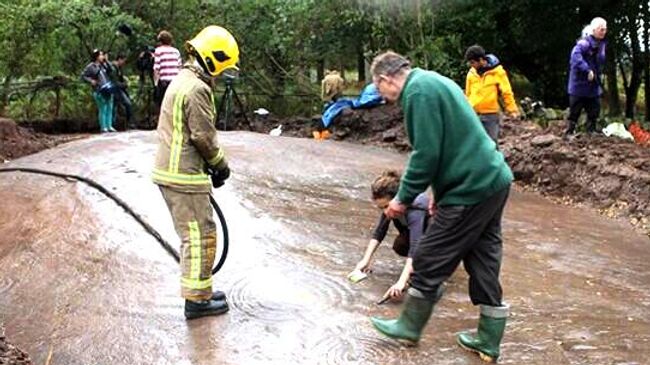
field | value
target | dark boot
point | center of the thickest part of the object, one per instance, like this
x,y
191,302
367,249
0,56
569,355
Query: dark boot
x,y
407,329
218,295
491,326
205,308
570,129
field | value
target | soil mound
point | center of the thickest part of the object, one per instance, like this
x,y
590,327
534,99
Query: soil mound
x,y
9,354
16,141
382,125
611,174
607,173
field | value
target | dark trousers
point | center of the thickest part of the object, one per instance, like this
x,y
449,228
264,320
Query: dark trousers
x,y
576,104
159,92
121,97
491,124
467,233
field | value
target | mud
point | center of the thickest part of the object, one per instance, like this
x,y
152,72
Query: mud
x,y
16,141
608,174
381,126
10,354
81,283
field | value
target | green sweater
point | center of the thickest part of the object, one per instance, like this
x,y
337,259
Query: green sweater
x,y
452,153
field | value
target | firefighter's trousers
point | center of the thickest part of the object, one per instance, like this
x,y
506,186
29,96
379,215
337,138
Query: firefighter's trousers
x,y
194,223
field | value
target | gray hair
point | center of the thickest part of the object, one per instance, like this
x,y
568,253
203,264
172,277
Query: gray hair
x,y
595,24
389,64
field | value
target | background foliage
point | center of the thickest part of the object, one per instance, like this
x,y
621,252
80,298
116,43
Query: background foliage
x,y
287,44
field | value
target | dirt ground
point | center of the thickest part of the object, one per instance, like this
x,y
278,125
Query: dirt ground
x,y
81,283
16,141
9,354
608,174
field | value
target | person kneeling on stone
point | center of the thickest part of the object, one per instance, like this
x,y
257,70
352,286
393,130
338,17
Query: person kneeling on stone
x,y
410,225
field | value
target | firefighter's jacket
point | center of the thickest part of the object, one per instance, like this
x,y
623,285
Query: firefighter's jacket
x,y
187,135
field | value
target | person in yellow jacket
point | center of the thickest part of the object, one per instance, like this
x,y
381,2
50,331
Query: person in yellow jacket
x,y
485,81
189,162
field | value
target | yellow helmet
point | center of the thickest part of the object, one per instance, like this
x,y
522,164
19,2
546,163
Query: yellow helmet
x,y
215,48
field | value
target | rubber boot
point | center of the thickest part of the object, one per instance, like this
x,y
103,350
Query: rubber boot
x,y
205,308
491,326
570,129
407,329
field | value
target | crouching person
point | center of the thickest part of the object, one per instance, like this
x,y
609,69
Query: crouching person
x,y
410,226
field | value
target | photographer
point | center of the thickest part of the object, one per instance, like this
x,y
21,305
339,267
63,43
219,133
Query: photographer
x,y
121,93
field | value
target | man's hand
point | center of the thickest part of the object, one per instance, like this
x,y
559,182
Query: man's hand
x,y
513,115
432,207
395,209
218,177
591,76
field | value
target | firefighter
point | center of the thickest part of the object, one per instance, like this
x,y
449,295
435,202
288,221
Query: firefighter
x,y
190,161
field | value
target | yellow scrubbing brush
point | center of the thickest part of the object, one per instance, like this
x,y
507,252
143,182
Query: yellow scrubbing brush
x,y
356,276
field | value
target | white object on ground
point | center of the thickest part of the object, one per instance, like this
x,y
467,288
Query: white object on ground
x,y
617,130
261,111
276,131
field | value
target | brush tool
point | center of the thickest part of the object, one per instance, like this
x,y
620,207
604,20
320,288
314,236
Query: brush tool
x,y
356,276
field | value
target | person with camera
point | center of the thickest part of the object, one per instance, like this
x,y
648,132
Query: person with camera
x,y
121,93
190,161
410,226
167,64
96,74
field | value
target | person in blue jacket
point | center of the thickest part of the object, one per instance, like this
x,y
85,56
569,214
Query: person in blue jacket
x,y
586,68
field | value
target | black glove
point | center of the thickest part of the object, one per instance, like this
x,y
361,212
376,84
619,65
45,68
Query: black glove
x,y
218,177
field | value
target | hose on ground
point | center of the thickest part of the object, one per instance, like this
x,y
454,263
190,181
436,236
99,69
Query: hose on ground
x,y
147,227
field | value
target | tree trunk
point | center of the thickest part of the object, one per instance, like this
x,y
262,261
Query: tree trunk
x,y
630,100
612,86
4,95
645,29
361,65
646,89
320,70
637,59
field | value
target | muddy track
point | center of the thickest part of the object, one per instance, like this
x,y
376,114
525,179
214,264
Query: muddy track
x,y
607,174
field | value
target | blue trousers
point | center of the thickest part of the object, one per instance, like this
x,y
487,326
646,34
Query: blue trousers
x,y
104,110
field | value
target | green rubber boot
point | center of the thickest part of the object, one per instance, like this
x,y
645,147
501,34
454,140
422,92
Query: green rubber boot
x,y
407,329
491,326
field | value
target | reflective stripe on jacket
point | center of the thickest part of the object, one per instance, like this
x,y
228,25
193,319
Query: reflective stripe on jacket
x,y
482,91
187,135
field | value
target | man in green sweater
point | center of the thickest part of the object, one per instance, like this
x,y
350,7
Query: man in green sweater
x,y
470,181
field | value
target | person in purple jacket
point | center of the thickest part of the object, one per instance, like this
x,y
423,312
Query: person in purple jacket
x,y
586,67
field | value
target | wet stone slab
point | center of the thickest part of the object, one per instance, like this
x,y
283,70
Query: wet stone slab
x,y
82,283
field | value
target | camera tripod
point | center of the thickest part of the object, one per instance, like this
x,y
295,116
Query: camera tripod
x,y
225,109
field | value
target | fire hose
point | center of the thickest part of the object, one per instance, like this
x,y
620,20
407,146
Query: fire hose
x,y
147,227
